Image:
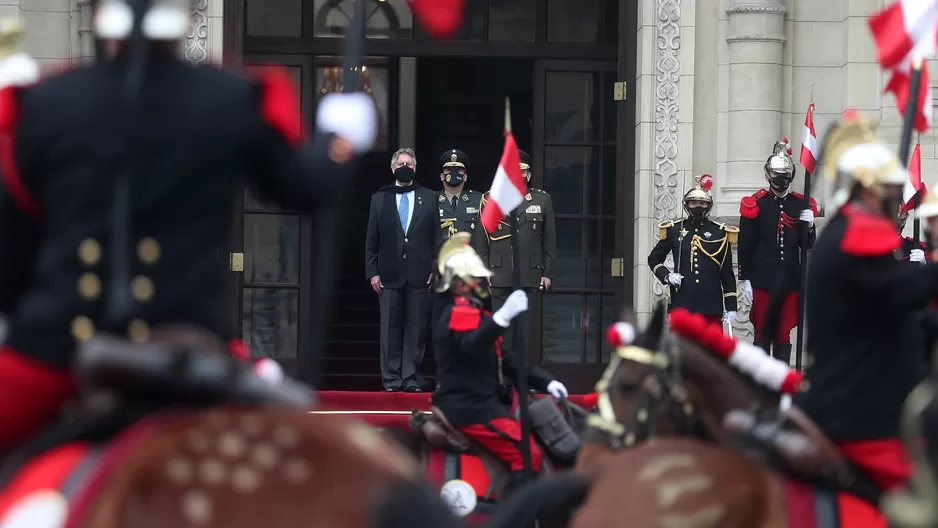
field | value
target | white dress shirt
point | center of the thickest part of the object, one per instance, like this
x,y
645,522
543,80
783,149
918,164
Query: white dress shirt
x,y
410,205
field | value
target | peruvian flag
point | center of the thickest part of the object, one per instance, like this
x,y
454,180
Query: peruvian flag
x,y
913,186
809,142
508,187
905,32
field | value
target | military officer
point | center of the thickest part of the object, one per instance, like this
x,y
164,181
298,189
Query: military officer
x,y
702,280
537,248
459,207
771,235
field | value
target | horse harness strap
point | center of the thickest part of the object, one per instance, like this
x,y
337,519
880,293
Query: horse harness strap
x,y
658,388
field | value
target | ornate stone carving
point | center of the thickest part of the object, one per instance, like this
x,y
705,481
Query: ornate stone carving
x,y
197,40
757,8
667,90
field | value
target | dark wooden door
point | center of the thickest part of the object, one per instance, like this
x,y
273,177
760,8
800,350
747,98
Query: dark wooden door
x,y
575,162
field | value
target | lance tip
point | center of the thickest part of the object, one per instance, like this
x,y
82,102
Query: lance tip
x,y
507,115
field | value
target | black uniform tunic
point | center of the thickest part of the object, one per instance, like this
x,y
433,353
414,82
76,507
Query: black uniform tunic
x,y
770,239
467,364
861,306
705,251
71,143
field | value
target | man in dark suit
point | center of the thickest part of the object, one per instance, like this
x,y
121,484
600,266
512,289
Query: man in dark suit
x,y
402,239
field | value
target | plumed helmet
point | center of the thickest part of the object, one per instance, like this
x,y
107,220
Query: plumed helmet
x,y
16,67
780,161
457,260
701,192
852,155
160,19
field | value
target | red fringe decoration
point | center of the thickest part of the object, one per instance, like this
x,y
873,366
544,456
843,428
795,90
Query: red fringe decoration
x,y
867,235
706,182
464,318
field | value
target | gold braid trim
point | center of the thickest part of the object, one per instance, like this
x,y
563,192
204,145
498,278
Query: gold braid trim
x,y
448,223
697,243
732,233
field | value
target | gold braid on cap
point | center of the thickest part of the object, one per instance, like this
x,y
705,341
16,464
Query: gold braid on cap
x,y
852,131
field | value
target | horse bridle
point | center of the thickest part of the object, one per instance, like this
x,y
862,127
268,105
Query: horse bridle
x,y
661,395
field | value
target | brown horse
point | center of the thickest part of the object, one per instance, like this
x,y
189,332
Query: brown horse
x,y
242,453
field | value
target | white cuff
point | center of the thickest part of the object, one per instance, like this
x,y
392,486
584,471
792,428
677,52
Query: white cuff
x,y
500,320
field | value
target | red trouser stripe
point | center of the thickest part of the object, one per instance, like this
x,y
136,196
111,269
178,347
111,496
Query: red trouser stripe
x,y
502,438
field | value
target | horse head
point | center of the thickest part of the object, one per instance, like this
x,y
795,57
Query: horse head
x,y
674,383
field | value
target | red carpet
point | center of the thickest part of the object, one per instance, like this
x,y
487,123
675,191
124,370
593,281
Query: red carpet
x,y
382,409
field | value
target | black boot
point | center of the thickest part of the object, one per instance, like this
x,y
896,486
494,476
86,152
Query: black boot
x,y
782,351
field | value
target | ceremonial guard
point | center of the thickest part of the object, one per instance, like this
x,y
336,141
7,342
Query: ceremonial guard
x,y
702,280
116,218
470,361
537,247
861,306
770,241
459,207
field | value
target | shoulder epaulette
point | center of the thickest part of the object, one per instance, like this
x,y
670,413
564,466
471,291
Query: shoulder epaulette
x,y
869,236
663,229
464,318
812,203
749,205
732,232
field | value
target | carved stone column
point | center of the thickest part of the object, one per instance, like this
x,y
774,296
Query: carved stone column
x,y
756,41
196,50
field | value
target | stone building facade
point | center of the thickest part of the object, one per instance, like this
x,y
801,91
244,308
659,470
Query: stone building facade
x,y
717,83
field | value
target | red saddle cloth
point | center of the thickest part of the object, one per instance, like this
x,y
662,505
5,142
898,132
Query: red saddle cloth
x,y
811,507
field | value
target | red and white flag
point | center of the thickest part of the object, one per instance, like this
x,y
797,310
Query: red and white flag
x,y
904,32
809,142
508,187
913,186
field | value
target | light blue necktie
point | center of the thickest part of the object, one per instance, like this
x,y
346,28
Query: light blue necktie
x,y
402,211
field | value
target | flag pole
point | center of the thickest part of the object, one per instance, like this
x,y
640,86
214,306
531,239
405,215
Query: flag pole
x,y
908,123
805,233
916,199
521,355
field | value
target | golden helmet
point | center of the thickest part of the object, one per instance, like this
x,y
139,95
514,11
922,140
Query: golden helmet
x,y
457,259
700,192
11,33
780,161
853,155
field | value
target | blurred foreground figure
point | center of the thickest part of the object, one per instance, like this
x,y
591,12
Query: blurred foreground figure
x,y
113,221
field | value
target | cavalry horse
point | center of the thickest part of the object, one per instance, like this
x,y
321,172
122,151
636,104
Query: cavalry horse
x,y
175,432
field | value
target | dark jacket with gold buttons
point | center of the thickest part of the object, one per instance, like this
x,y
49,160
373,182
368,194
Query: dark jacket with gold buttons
x,y
771,237
537,242
462,217
71,144
704,251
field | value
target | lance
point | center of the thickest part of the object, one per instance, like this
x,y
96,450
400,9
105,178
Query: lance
x,y
331,218
908,124
803,288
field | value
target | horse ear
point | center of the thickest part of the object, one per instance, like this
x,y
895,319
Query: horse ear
x,y
651,337
628,316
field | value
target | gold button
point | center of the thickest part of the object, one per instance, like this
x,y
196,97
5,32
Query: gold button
x,y
698,281
138,331
89,286
148,250
89,251
141,288
82,328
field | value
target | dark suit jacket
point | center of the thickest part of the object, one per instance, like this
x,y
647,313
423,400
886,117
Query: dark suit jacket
x,y
402,259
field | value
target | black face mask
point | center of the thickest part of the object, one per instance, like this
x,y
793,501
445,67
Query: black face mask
x,y
453,179
780,182
404,174
697,213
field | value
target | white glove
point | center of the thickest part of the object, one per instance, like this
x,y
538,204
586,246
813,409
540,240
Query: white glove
x,y
557,389
675,279
19,70
516,303
268,370
351,116
745,290
807,215
729,317
917,255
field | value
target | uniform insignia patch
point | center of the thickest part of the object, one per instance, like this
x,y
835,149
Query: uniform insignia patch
x,y
454,157
533,209
442,199
527,197
460,496
441,212
499,227
465,197
707,234
472,210
683,233
449,178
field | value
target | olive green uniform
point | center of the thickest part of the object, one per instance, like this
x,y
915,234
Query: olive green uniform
x,y
459,212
